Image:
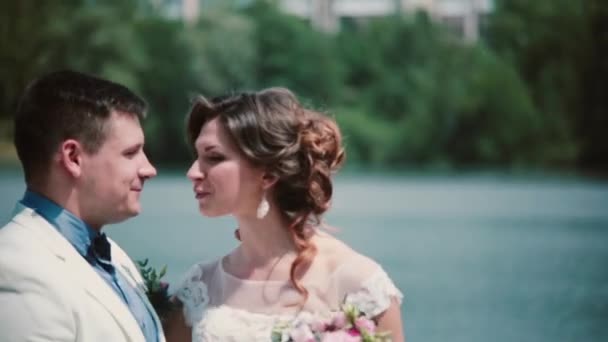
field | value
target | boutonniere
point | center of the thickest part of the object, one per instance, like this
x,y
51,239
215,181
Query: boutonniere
x,y
156,289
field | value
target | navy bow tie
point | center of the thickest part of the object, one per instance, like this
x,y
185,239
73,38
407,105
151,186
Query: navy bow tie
x,y
101,250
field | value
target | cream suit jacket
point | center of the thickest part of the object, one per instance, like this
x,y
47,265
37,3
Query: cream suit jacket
x,y
49,292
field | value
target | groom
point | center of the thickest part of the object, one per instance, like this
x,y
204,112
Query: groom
x,y
80,143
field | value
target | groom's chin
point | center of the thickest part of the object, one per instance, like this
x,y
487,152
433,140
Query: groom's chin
x,y
129,212
124,216
133,209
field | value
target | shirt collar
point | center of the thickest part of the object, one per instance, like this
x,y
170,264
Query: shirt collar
x,y
75,230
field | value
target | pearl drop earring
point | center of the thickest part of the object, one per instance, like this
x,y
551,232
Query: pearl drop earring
x,y
263,208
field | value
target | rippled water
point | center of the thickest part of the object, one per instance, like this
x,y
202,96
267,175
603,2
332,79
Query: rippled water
x,y
479,258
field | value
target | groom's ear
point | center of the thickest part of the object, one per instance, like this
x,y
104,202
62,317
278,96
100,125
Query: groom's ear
x,y
268,180
70,157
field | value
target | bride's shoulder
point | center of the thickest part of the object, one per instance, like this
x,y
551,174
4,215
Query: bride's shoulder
x,y
343,262
358,278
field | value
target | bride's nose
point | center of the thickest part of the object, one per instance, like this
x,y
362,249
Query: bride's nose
x,y
195,173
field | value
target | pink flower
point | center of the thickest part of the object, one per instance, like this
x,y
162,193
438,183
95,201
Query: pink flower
x,y
340,336
319,325
353,332
365,324
339,321
302,333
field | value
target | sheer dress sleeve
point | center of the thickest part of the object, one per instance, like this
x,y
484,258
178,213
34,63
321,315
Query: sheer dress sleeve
x,y
193,294
365,284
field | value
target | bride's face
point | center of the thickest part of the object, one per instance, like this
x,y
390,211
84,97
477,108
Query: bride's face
x,y
224,182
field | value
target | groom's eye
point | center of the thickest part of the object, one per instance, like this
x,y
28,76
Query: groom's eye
x,y
131,153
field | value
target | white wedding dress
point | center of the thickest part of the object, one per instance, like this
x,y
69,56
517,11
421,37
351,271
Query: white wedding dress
x,y
221,307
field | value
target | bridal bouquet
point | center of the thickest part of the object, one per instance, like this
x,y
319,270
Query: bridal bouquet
x,y
347,325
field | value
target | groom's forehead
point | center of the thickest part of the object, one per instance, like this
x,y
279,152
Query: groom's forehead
x,y
120,121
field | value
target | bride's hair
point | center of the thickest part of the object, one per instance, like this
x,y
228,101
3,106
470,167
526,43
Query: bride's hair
x,y
300,147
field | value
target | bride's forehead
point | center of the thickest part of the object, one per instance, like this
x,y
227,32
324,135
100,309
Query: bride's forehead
x,y
213,133
212,126
212,130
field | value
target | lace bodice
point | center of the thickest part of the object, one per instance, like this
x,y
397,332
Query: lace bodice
x,y
221,307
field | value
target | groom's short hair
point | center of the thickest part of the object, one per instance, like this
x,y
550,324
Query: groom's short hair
x,y
67,105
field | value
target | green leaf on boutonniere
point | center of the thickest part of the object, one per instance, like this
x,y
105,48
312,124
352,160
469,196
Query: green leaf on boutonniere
x,y
156,289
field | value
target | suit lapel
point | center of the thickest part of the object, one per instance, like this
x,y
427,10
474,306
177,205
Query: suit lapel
x,y
80,271
139,289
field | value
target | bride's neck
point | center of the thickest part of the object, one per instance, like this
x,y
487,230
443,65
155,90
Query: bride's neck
x,y
265,240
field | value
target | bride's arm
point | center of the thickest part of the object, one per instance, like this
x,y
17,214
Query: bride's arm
x,y
390,320
176,329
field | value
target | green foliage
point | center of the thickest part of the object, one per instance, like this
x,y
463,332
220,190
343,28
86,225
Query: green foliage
x,y
152,278
169,81
435,100
367,139
224,45
560,49
403,90
157,290
291,54
38,37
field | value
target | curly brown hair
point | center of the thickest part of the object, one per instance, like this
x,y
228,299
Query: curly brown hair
x,y
298,146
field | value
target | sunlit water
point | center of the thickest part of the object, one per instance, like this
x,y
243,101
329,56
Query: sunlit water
x,y
479,258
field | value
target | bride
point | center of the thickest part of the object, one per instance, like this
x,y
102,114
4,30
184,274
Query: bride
x,y
268,161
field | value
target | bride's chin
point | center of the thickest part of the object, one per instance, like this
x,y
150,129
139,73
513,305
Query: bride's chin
x,y
209,213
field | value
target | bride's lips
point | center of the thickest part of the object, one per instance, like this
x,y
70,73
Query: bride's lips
x,y
201,194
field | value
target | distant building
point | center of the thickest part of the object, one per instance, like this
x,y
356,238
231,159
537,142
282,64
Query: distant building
x,y
188,10
461,16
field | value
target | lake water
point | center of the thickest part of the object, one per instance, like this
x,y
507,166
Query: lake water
x,y
479,258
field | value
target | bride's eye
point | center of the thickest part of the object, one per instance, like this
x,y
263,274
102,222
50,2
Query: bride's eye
x,y
215,158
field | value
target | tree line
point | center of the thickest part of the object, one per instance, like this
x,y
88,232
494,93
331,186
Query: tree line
x,y
405,91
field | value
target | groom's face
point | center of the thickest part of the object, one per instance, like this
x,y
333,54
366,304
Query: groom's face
x,y
114,176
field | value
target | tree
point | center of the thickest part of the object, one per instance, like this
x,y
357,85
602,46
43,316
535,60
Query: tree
x,y
563,68
291,54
